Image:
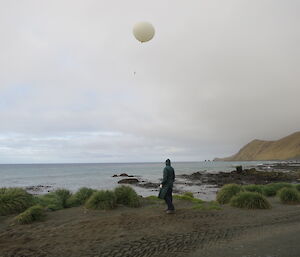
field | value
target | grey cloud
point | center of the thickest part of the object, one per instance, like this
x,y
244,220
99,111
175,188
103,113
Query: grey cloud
x,y
216,75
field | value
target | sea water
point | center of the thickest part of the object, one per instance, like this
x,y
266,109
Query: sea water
x,y
100,175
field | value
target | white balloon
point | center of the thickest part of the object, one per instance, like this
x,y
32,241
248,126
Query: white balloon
x,y
143,31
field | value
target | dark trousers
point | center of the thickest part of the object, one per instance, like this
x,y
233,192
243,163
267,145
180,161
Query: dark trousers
x,y
169,199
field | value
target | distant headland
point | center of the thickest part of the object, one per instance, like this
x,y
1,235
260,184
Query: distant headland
x,y
287,148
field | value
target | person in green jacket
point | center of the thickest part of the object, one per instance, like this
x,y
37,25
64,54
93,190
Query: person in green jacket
x,y
166,186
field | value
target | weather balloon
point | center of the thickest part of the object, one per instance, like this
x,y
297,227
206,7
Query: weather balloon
x,y
143,31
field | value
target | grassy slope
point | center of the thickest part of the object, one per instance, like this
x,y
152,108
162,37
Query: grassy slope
x,y
282,149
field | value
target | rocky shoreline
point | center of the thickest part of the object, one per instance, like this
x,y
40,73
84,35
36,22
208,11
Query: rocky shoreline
x,y
133,180
244,177
291,166
35,190
202,180
263,174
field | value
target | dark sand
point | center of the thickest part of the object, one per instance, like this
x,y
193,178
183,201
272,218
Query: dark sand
x,y
148,231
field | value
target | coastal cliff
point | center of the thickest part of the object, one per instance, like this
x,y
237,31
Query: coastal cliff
x,y
287,148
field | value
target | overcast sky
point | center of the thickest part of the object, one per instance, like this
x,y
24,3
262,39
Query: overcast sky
x,y
75,85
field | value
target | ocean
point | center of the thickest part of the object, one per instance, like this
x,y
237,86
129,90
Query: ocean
x,y
99,175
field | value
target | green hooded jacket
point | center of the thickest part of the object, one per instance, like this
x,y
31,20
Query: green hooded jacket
x,y
168,180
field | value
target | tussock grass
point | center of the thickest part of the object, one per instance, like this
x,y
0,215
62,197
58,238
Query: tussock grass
x,y
297,187
51,201
127,196
3,190
102,200
80,197
190,194
153,198
273,188
213,205
188,197
269,190
14,200
34,213
254,188
250,200
227,192
56,200
289,195
280,185
63,195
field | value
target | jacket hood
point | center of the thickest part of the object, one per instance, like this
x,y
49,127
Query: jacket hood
x,y
168,162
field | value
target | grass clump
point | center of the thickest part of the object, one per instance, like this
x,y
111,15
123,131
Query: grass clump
x,y
297,187
188,197
273,188
213,205
153,197
254,188
51,201
80,197
102,200
289,195
127,196
14,200
250,200
190,194
269,190
3,190
280,185
34,213
54,201
227,192
63,195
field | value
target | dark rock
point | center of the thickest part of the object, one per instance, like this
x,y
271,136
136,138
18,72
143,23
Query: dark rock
x,y
247,176
194,176
128,181
283,166
123,175
149,185
38,188
239,169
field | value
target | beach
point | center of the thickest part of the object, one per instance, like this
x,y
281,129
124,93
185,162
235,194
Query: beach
x,y
148,231
213,230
